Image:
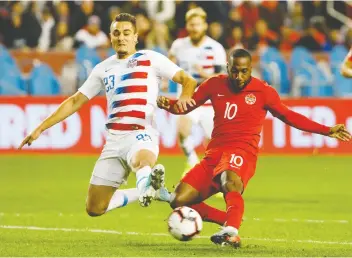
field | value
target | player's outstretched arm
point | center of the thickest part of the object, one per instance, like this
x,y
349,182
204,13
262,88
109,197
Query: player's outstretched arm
x,y
67,108
303,123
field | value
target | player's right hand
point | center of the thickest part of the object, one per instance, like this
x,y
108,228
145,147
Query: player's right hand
x,y
30,138
339,132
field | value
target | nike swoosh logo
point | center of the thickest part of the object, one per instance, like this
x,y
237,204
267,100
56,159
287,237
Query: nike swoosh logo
x,y
106,70
220,95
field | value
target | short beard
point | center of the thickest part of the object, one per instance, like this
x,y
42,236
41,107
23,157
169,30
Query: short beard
x,y
196,41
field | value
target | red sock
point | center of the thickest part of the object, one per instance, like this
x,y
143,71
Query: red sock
x,y
234,209
209,213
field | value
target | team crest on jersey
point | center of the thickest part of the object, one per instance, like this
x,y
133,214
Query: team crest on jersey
x,y
250,99
132,63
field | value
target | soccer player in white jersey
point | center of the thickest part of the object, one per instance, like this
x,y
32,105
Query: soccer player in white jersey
x,y
202,57
131,81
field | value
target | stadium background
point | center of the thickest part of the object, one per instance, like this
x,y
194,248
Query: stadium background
x,y
297,47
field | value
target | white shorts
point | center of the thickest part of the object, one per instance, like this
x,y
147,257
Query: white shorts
x,y
203,116
114,164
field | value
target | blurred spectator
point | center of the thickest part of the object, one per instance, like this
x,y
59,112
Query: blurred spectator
x,y
236,39
250,15
133,7
235,19
289,38
263,37
62,12
316,37
144,27
81,15
295,19
159,39
22,30
113,11
91,35
271,12
318,8
160,11
47,35
64,42
216,32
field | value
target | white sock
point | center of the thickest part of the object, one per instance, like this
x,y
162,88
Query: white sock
x,y
142,177
122,197
188,147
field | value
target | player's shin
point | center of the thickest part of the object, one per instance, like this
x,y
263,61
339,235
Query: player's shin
x,y
210,214
122,197
142,176
234,209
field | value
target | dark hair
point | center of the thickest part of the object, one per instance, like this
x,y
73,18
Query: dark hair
x,y
126,17
240,52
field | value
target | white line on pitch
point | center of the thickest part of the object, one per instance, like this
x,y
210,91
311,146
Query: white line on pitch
x,y
314,221
104,231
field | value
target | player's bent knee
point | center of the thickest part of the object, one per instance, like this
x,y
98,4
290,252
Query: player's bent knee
x,y
95,210
143,158
233,186
177,201
231,182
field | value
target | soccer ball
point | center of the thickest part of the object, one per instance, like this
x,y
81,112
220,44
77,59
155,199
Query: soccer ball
x,y
184,223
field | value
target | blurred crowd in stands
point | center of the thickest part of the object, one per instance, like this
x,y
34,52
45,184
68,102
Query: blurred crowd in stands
x,y
269,29
63,25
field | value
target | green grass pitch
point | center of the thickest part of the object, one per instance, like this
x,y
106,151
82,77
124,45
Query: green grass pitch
x,y
294,206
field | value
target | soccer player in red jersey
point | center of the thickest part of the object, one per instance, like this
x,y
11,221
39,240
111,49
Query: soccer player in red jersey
x,y
240,102
346,68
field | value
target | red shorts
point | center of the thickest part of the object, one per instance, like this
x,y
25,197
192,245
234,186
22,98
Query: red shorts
x,y
203,177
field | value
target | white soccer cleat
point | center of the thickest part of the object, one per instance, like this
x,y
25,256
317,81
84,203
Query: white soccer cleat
x,y
155,181
227,236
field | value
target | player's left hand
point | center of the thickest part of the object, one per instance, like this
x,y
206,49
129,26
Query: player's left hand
x,y
182,103
163,102
339,132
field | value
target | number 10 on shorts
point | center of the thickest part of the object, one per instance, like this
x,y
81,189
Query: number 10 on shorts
x,y
236,161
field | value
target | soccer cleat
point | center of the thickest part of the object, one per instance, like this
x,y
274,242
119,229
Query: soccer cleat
x,y
155,182
227,236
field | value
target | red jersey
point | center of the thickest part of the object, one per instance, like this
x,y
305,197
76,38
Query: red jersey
x,y
239,116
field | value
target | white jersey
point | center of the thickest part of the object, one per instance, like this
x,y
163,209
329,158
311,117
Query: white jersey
x,y
132,87
208,55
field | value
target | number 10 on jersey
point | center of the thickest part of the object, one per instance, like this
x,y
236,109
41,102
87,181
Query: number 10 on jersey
x,y
230,111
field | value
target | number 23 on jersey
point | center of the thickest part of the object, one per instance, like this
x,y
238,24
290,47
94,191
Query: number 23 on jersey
x,y
109,82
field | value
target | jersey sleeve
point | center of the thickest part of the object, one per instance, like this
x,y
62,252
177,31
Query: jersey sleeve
x,y
174,47
220,56
93,85
294,119
163,66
